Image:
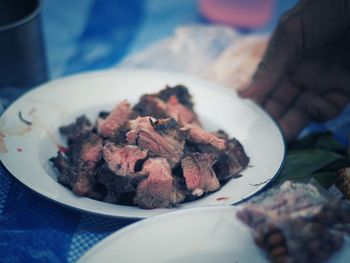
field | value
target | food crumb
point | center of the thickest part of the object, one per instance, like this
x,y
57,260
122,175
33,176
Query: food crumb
x,y
222,198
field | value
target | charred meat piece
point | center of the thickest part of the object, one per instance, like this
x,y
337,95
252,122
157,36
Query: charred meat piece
x,y
85,150
151,105
122,161
181,113
77,170
199,174
232,161
162,138
119,138
80,126
119,115
117,189
180,92
79,179
197,135
158,189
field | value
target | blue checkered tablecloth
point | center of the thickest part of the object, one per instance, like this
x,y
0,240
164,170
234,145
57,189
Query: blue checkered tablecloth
x,y
84,35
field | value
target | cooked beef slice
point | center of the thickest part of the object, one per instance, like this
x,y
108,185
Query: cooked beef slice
x,y
180,113
115,188
79,179
151,105
86,150
119,115
158,189
232,161
180,92
80,126
197,135
161,138
199,174
122,160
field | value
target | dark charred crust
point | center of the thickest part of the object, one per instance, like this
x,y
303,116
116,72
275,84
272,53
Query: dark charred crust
x,y
119,138
103,114
80,126
164,125
181,92
148,106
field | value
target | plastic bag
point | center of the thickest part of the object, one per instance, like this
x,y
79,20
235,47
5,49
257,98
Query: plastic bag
x,y
297,222
216,53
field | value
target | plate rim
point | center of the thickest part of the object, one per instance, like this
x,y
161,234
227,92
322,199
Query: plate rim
x,y
149,73
151,220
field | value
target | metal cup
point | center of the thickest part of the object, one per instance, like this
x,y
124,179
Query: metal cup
x,y
22,50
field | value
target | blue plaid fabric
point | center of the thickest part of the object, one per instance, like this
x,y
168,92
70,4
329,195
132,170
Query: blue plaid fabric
x,y
84,35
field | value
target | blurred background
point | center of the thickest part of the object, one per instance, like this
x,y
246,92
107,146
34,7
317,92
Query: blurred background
x,y
94,34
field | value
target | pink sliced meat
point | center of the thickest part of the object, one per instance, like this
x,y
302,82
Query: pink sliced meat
x,y
182,114
122,160
162,138
197,135
199,174
119,115
157,190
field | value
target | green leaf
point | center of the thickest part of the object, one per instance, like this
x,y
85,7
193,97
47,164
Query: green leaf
x,y
301,164
325,179
323,141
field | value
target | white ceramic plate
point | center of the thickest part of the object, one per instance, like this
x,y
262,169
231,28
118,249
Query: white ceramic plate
x,y
203,235
25,149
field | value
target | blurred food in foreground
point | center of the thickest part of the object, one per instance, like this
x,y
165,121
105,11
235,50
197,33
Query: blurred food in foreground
x,y
297,222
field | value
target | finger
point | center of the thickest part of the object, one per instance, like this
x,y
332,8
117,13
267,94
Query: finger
x,y
340,100
320,76
281,98
274,108
271,69
316,107
293,122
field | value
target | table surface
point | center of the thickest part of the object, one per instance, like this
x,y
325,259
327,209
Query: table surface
x,y
86,35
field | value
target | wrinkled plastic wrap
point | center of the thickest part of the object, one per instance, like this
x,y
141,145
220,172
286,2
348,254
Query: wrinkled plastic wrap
x,y
215,53
297,222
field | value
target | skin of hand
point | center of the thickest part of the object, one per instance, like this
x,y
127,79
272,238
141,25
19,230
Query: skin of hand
x,y
304,74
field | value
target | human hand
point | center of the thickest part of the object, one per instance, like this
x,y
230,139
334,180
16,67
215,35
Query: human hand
x,y
305,72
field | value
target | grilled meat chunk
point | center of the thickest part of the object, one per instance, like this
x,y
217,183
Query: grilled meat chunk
x,y
180,92
151,105
158,189
85,150
162,138
182,114
122,160
199,174
117,189
232,161
80,126
197,135
116,118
